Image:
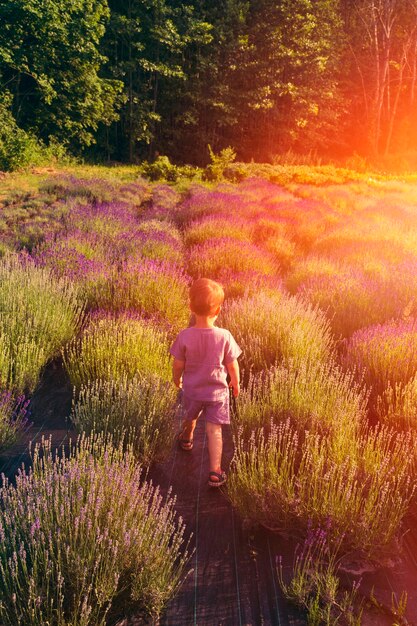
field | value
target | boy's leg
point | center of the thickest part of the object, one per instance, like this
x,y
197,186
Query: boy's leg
x,y
188,428
216,414
215,446
191,410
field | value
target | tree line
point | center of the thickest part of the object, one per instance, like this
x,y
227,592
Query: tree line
x,y
127,80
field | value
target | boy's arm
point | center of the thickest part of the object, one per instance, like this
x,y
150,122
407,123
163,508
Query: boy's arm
x,y
177,370
233,370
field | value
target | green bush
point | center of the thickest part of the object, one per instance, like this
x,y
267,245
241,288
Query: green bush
x,y
38,315
18,148
114,348
163,169
318,397
272,327
140,410
83,536
220,163
286,482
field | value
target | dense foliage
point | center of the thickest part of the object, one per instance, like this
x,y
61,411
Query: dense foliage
x,y
150,77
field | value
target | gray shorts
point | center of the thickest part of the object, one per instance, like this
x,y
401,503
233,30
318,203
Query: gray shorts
x,y
215,411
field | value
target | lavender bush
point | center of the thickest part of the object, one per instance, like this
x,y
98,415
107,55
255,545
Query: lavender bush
x,y
113,348
315,584
386,354
82,530
217,255
160,241
272,327
38,315
67,187
140,410
213,227
92,274
13,418
397,405
317,397
283,479
154,289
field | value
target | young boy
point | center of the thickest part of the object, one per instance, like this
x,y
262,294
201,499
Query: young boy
x,y
203,356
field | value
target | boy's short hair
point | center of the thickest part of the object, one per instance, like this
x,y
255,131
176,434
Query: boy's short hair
x,y
205,296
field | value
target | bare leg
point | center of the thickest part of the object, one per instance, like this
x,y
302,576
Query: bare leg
x,y
215,446
187,433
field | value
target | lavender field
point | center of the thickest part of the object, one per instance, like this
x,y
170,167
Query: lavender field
x,y
320,273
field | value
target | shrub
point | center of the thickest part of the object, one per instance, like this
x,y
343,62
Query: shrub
x,y
397,406
152,288
213,227
248,283
384,238
312,268
273,235
271,327
282,250
219,163
104,220
38,315
316,397
85,245
13,418
225,254
81,259
160,241
151,226
163,169
350,299
223,201
315,583
356,296
285,481
138,410
65,187
81,532
17,147
112,349
386,354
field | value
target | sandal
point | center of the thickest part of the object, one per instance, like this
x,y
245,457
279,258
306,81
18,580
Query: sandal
x,y
220,479
185,444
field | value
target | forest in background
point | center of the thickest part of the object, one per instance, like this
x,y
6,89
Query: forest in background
x,y
129,80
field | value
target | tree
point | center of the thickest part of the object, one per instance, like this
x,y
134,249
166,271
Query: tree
x,y
382,38
50,62
267,81
146,43
294,48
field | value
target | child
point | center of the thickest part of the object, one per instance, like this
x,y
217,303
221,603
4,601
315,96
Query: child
x,y
203,356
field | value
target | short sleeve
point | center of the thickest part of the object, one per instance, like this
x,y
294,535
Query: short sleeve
x,y
231,350
178,349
